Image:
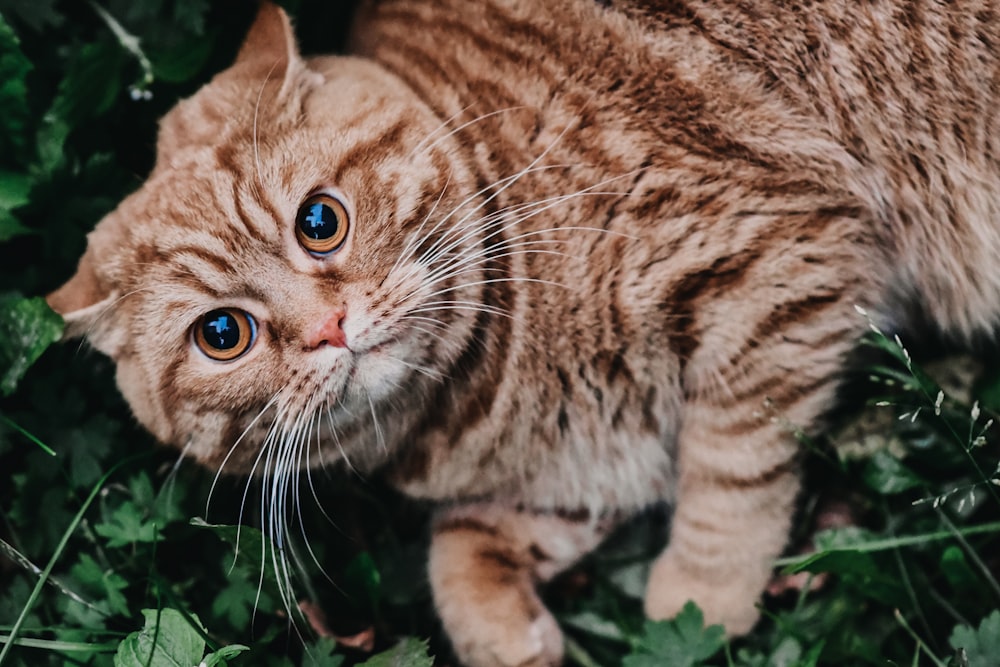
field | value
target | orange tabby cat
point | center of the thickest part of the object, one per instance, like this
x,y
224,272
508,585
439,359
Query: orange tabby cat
x,y
551,262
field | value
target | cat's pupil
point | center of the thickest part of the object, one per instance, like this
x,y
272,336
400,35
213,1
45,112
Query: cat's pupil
x,y
221,330
318,221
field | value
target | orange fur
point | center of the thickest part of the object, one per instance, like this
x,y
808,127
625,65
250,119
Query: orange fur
x,y
598,257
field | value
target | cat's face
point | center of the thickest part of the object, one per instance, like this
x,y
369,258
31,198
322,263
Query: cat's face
x,y
272,278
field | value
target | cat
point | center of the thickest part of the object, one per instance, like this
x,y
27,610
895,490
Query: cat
x,y
550,263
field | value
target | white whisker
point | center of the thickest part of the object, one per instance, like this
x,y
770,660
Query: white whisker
x,y
232,449
467,124
379,436
439,128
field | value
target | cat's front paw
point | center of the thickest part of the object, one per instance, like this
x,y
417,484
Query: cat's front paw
x,y
487,601
480,641
727,598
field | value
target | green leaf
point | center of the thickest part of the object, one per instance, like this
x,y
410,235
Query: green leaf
x,y
222,655
681,642
27,327
887,474
982,645
51,142
127,524
10,226
956,569
166,640
411,652
594,624
38,14
362,577
252,554
88,446
320,654
181,63
238,599
14,68
105,583
14,189
92,84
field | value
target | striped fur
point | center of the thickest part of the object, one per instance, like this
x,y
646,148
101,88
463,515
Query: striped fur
x,y
601,255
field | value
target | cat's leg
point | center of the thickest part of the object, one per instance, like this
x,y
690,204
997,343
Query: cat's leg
x,y
738,473
485,563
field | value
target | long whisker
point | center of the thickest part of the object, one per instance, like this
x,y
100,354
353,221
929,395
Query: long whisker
x,y
232,449
491,281
510,181
467,124
340,445
440,127
415,240
379,435
457,228
535,208
170,482
105,312
423,370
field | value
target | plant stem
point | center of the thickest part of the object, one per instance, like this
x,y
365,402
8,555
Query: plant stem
x,y
891,543
56,645
48,450
12,639
920,643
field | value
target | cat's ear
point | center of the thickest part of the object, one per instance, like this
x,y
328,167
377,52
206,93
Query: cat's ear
x,y
269,50
267,72
84,301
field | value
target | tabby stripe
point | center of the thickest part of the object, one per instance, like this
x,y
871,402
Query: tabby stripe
x,y
724,273
759,416
167,388
244,217
500,557
793,312
265,203
183,276
363,152
612,211
218,262
763,478
465,523
493,50
478,390
230,158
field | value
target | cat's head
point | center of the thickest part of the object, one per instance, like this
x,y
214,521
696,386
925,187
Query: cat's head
x,y
276,273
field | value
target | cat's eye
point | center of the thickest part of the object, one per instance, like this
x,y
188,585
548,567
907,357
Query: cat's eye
x,y
225,334
321,224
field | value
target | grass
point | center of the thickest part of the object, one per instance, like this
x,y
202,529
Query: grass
x,y
97,524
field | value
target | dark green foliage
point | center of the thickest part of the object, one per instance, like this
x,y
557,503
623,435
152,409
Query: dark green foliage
x,y
682,642
81,87
27,327
981,646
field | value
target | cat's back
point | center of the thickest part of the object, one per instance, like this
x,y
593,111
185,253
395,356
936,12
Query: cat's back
x,y
888,106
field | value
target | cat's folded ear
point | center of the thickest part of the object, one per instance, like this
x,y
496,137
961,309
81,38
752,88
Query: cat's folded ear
x,y
269,50
86,303
267,74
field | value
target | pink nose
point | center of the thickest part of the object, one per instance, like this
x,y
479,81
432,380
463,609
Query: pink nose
x,y
331,332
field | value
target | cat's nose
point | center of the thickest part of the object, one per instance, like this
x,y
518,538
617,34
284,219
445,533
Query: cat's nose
x,y
330,332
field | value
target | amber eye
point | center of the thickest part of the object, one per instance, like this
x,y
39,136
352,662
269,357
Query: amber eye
x,y
225,334
321,224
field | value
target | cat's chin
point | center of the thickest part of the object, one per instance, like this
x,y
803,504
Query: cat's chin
x,y
357,380
378,373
